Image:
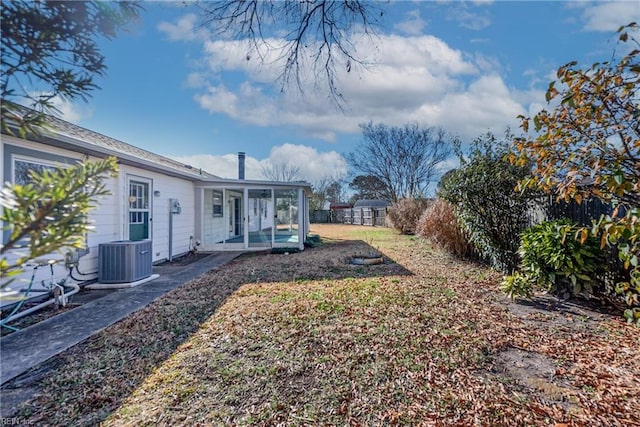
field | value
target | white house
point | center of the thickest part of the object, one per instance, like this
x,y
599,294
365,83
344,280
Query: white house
x,y
173,207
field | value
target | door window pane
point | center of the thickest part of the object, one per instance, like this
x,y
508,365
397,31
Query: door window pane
x,y
139,211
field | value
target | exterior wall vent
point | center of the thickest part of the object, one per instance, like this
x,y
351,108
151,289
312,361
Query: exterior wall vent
x,y
124,261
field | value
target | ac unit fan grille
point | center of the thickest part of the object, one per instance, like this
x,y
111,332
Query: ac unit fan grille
x,y
124,261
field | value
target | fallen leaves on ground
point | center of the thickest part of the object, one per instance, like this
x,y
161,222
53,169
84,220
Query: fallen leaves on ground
x,y
308,339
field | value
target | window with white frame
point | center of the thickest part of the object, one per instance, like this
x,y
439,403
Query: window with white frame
x,y
23,167
217,203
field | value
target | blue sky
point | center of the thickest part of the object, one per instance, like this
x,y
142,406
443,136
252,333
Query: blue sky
x,y
468,67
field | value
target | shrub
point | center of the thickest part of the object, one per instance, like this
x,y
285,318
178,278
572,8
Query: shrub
x,y
517,284
441,226
404,214
482,191
553,259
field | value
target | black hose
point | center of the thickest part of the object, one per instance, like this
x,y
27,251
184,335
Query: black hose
x,y
82,282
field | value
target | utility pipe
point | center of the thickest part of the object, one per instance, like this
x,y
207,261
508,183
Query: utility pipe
x,y
30,310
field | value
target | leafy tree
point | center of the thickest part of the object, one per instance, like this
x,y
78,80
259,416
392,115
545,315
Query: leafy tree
x,y
327,189
49,50
405,159
335,191
369,187
482,191
588,145
50,213
316,33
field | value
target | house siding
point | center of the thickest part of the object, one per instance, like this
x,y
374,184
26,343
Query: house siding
x,y
167,180
16,148
110,217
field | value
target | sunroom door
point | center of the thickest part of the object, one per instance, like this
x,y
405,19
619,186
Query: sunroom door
x,y
260,216
286,218
233,217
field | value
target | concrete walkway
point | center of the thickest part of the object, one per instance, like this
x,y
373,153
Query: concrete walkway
x,y
29,347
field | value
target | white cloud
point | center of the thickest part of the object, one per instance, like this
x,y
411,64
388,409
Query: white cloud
x,y
223,166
467,18
609,16
314,165
487,104
67,110
196,80
72,112
416,78
413,25
184,29
262,65
248,105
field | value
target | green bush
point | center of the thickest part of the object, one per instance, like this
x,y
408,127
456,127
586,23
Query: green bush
x,y
517,284
482,191
553,259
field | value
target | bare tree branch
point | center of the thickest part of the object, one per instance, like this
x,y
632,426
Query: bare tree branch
x,y
282,172
404,159
316,34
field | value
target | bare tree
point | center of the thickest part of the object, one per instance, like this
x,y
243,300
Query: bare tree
x,y
282,171
326,189
405,159
316,33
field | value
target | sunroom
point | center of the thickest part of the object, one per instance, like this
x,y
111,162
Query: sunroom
x,y
251,215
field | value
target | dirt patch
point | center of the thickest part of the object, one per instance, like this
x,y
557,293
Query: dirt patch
x,y
84,296
37,316
535,373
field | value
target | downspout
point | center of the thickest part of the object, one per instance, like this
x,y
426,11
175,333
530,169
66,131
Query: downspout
x,y
170,258
174,209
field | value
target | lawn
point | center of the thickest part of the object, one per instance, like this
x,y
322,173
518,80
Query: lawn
x,y
309,339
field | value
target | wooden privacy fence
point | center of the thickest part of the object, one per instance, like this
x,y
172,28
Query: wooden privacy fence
x,y
549,209
541,210
584,213
358,216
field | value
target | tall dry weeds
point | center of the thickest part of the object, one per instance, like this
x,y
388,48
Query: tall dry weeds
x,y
441,226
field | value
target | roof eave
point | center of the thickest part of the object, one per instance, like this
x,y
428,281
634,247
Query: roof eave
x,y
64,141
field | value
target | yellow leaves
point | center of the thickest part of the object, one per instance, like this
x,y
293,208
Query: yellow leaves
x,y
583,235
603,240
552,92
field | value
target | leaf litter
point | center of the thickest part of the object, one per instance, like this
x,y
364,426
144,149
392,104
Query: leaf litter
x,y
309,339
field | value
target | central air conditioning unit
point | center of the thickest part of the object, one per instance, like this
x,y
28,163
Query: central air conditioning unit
x,y
124,261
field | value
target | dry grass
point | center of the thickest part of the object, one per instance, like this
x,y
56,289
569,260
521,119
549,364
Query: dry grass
x,y
308,339
440,225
